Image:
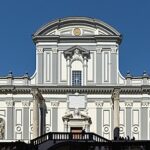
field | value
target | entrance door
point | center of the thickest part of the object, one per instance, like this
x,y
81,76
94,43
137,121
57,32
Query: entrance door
x,y
76,129
76,132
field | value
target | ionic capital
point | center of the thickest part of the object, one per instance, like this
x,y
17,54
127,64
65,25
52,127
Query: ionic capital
x,y
39,50
54,103
10,103
25,103
145,104
99,49
99,104
114,49
128,104
54,49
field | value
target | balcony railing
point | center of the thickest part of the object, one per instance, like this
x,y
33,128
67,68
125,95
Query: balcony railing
x,y
62,136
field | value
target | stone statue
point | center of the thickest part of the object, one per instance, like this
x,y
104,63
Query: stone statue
x,y
2,128
76,113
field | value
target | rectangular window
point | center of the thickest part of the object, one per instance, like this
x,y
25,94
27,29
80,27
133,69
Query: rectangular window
x,y
76,78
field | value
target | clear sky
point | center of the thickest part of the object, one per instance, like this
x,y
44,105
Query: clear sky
x,y
19,19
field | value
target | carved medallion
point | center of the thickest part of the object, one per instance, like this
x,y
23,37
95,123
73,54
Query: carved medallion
x,y
77,32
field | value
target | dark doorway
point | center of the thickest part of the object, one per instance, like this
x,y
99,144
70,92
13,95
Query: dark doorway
x,y
76,132
76,129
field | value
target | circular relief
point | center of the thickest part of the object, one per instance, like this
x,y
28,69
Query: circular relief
x,y
121,129
135,129
77,31
18,128
47,128
106,129
31,128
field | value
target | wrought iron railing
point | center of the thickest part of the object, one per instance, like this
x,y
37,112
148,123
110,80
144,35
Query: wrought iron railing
x,y
62,136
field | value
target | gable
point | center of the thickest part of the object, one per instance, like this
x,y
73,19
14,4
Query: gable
x,y
75,25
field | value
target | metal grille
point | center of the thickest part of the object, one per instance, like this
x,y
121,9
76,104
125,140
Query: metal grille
x,y
76,78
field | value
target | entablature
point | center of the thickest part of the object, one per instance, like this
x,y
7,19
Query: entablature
x,y
144,89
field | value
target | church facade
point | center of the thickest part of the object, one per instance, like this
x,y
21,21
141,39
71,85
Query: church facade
x,y
76,85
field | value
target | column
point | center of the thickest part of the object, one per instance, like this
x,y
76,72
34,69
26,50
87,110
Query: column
x,y
115,100
84,71
35,114
10,121
68,71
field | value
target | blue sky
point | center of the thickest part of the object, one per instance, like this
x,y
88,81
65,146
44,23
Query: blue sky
x,y
20,19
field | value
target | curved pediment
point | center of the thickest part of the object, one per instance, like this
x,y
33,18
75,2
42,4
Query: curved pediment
x,y
77,26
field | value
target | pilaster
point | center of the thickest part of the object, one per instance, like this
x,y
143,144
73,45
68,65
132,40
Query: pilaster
x,y
99,65
68,71
99,105
54,105
40,64
144,120
85,70
10,119
25,105
128,106
55,65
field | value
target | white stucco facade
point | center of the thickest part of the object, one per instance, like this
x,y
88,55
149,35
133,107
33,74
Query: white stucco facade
x,y
77,70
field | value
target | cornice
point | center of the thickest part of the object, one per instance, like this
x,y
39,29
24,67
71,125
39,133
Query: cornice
x,y
144,89
74,39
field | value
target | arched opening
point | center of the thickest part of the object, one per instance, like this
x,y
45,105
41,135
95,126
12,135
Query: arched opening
x,y
77,73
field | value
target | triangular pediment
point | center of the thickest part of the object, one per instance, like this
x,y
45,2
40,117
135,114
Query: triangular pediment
x,y
76,50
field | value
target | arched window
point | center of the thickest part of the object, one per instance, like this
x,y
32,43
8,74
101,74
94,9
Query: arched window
x,y
77,73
